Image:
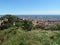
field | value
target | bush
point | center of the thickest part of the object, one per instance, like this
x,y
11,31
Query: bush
x,y
10,21
54,27
39,27
58,26
19,24
10,18
27,25
5,26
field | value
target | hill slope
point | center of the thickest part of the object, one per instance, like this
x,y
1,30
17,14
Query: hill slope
x,y
17,36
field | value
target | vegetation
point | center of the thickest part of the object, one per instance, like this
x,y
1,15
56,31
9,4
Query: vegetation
x,y
8,21
14,36
21,32
27,25
54,27
14,21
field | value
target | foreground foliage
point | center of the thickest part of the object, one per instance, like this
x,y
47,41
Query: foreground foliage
x,y
17,36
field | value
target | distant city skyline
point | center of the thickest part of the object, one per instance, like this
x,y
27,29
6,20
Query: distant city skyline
x,y
30,7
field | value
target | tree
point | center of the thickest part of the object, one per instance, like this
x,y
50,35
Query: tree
x,y
10,18
18,24
27,25
8,21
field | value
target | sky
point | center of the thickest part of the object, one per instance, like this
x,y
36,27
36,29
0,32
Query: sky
x,y
30,7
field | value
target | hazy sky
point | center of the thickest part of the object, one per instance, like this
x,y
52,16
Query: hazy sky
x,y
29,6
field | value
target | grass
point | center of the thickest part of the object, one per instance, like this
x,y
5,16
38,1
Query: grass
x,y
14,36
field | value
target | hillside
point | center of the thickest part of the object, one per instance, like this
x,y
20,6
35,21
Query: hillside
x,y
14,36
16,31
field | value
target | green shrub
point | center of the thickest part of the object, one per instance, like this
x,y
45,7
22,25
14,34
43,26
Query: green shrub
x,y
54,27
10,21
27,25
39,27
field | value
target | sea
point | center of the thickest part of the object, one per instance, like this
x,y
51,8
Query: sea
x,y
37,16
